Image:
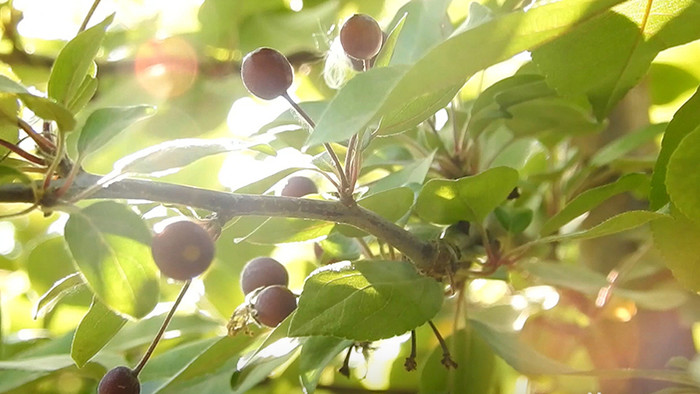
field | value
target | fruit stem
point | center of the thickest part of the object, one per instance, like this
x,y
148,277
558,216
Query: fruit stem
x,y
88,16
343,190
446,358
161,331
345,368
21,152
410,363
41,141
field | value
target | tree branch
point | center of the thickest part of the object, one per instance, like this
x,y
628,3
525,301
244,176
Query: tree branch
x,y
424,255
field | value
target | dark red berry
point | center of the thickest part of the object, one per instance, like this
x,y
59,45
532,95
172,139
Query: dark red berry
x,y
119,380
182,250
358,64
299,186
262,272
266,73
274,304
361,37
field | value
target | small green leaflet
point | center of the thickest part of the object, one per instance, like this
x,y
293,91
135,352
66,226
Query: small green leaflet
x,y
365,301
74,62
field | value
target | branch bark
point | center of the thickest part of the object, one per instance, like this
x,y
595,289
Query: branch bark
x,y
423,254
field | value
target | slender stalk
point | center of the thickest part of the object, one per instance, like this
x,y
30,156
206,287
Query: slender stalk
x,y
336,161
447,360
345,368
56,161
160,333
41,141
21,152
410,363
88,16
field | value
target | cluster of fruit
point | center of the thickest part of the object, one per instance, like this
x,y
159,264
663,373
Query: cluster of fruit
x,y
267,73
264,282
184,249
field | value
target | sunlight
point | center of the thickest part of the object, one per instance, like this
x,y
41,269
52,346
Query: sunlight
x,y
7,238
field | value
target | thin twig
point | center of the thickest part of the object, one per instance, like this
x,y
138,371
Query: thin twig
x,y
88,16
424,254
21,152
327,146
41,141
447,360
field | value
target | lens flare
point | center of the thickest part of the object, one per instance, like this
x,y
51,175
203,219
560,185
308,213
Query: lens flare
x,y
166,68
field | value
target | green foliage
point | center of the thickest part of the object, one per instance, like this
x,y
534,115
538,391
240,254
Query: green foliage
x,y
110,246
367,300
521,175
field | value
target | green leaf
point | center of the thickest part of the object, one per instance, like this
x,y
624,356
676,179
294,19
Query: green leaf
x,y
365,301
476,362
264,184
591,198
616,224
63,287
208,361
390,204
471,198
413,172
425,26
316,354
96,328
385,54
682,177
105,123
514,220
47,108
517,353
74,62
7,85
137,334
171,156
286,230
111,248
625,144
44,107
606,69
358,100
676,238
577,277
431,82
685,121
85,93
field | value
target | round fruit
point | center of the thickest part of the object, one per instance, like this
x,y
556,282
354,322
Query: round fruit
x,y
262,272
119,380
274,304
299,186
361,37
266,73
182,250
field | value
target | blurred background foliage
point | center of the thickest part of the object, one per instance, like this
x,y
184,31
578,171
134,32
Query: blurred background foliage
x,y
184,57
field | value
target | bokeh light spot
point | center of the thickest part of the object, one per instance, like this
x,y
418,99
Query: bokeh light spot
x,y
166,68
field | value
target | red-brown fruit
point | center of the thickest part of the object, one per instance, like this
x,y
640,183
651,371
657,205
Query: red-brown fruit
x,y
182,250
274,304
361,37
299,186
119,380
262,272
266,73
